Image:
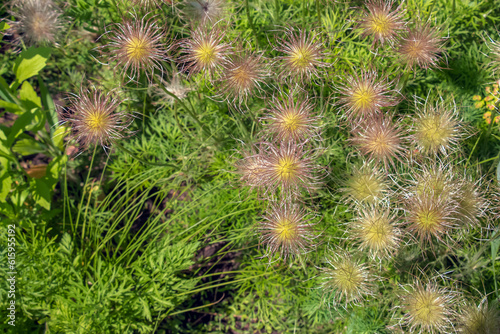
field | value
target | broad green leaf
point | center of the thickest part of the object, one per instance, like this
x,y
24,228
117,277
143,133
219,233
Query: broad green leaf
x,y
41,192
58,136
48,105
28,146
5,92
5,179
54,169
30,62
31,120
11,107
4,26
28,95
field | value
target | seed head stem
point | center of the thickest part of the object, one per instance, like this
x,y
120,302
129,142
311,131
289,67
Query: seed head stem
x,y
250,23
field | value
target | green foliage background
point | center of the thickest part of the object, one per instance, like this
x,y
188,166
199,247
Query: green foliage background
x,y
109,244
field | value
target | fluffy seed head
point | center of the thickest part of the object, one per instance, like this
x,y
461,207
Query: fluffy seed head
x,y
346,280
430,217
481,319
428,308
203,11
94,119
204,51
375,230
290,118
365,94
381,22
379,139
434,179
288,167
286,230
251,167
243,76
421,46
366,185
37,21
303,54
136,46
436,128
471,202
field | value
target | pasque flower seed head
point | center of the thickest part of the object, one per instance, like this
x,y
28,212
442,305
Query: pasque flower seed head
x,y
291,117
381,22
304,53
203,11
286,230
37,21
94,118
136,45
428,308
379,139
365,94
366,185
346,280
481,319
204,51
421,46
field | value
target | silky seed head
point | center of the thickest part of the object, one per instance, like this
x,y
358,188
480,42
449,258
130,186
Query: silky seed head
x,y
471,203
288,167
375,230
434,179
204,51
203,11
243,76
303,54
428,308
366,185
37,21
251,167
379,139
430,217
481,319
345,280
290,118
136,45
94,119
381,22
421,46
436,128
286,231
365,94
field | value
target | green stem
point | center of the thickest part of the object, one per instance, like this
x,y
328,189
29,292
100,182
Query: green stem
x,y
430,10
318,12
142,160
84,187
176,116
277,10
250,22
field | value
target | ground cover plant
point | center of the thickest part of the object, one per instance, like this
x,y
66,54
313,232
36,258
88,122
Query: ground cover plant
x,y
219,166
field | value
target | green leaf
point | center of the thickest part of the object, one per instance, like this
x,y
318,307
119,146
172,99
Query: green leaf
x,y
31,120
5,92
4,26
28,95
5,179
11,107
30,63
48,104
41,192
58,136
28,146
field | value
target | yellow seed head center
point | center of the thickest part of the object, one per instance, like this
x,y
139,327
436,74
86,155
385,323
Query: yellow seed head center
x,y
291,121
366,188
427,219
348,277
286,230
301,57
137,49
377,232
380,24
287,168
96,121
363,98
205,53
433,133
426,308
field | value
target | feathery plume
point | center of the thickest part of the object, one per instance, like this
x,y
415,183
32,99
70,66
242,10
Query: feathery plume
x,y
136,45
366,185
94,119
481,319
303,51
365,94
381,22
286,230
203,11
346,280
